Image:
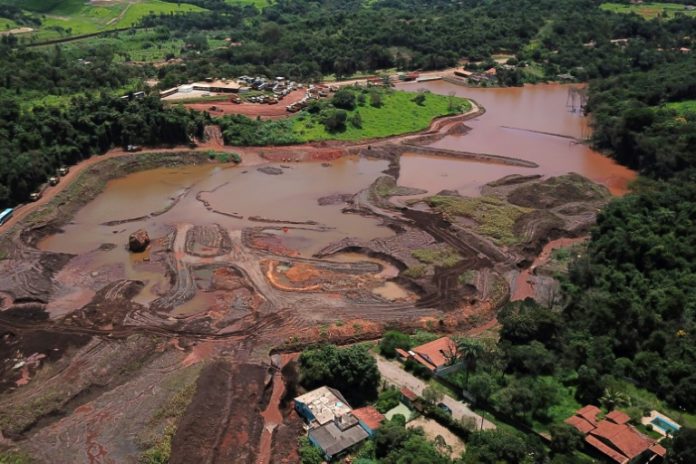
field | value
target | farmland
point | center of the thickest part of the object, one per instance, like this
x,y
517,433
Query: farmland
x,y
649,10
75,17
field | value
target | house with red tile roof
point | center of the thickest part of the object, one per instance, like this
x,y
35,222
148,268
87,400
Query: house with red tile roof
x,y
614,437
435,355
369,418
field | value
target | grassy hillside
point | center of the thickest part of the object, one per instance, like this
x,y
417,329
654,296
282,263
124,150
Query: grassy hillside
x,y
76,17
648,9
398,114
682,107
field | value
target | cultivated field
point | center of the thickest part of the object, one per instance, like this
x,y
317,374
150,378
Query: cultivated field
x,y
649,9
76,17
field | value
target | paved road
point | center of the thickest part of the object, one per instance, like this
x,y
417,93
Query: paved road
x,y
396,375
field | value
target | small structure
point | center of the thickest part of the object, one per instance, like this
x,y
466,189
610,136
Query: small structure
x,y
322,405
614,438
437,356
369,419
334,427
217,86
408,397
337,437
463,73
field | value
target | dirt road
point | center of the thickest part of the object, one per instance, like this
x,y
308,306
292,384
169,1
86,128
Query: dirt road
x,y
394,374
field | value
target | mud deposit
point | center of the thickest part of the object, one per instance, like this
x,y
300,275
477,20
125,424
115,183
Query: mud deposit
x,y
109,355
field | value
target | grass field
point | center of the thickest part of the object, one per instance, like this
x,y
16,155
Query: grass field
x,y
142,45
683,107
398,114
77,17
648,10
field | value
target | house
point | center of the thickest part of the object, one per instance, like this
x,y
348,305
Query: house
x,y
614,438
369,419
322,405
408,397
463,73
337,437
218,86
334,427
436,355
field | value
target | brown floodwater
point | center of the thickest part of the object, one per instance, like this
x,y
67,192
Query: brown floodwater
x,y
533,123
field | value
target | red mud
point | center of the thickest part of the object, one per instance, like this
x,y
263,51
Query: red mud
x,y
251,110
524,287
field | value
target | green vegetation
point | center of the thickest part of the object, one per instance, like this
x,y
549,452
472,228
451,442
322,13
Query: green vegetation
x,y
15,457
397,114
683,107
441,255
649,10
75,17
352,371
495,217
225,157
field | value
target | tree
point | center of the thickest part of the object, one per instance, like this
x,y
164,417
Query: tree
x,y
682,449
335,120
469,352
393,340
613,398
376,99
352,371
432,396
498,447
565,439
419,99
309,454
344,99
356,120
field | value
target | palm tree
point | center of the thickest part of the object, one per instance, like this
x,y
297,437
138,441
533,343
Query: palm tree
x,y
470,352
613,398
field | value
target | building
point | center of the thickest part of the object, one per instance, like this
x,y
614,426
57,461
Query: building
x,y
337,437
408,397
334,427
322,405
614,438
217,86
437,355
369,419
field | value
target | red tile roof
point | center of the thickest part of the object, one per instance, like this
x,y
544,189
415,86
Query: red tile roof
x,y
581,424
606,450
436,353
408,394
618,417
659,450
624,438
402,353
589,413
369,416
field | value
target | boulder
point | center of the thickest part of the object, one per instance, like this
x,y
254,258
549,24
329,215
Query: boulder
x,y
138,241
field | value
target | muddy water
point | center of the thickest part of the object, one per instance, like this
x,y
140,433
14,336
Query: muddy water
x,y
159,199
532,123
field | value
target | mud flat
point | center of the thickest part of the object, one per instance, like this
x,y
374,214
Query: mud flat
x,y
172,344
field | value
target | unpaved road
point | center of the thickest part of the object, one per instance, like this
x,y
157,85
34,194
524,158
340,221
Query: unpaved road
x,y
394,374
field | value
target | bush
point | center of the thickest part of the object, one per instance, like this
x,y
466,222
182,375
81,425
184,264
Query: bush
x,y
393,340
308,453
388,399
419,99
418,369
344,99
356,121
335,120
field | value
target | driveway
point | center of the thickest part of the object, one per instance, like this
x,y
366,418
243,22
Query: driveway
x,y
394,374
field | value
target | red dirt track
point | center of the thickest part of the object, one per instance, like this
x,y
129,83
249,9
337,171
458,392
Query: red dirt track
x,y
252,110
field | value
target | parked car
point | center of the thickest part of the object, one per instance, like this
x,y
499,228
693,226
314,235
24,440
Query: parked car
x,y
63,170
53,181
445,408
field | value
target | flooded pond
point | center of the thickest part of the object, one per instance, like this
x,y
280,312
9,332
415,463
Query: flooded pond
x,y
533,123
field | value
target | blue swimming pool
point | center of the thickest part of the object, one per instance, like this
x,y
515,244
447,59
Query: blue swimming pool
x,y
666,425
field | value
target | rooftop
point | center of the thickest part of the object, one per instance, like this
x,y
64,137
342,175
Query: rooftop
x,y
436,353
623,437
332,439
618,417
220,84
326,404
408,394
369,416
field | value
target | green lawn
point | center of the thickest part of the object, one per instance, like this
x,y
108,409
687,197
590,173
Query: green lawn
x,y
682,107
566,406
76,17
399,114
644,399
6,24
648,10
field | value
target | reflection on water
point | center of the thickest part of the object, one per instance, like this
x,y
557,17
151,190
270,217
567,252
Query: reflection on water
x,y
519,122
